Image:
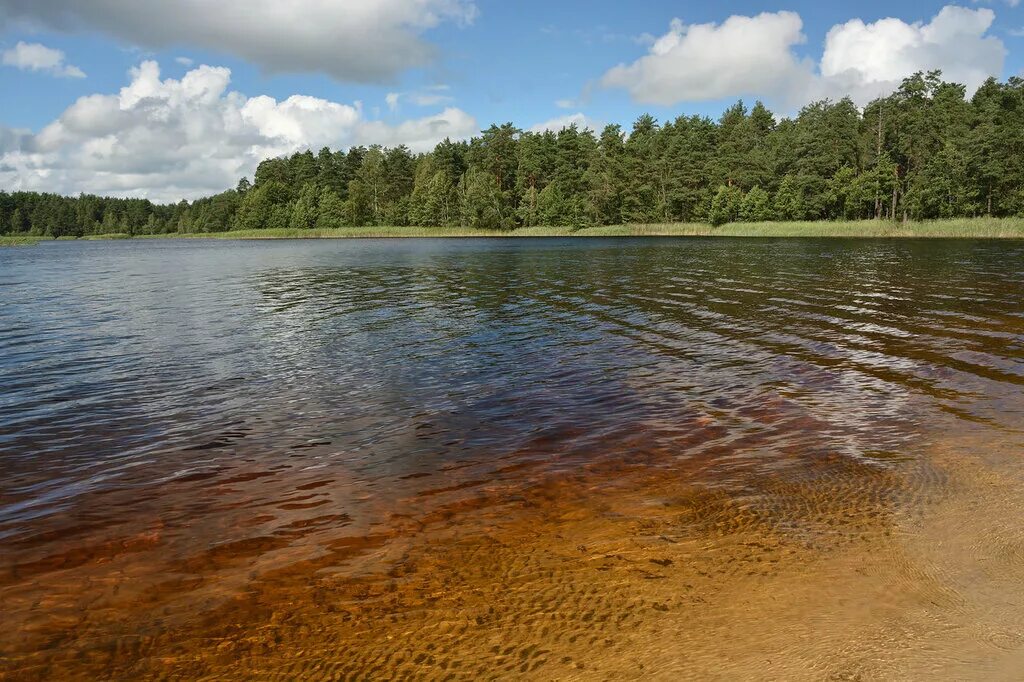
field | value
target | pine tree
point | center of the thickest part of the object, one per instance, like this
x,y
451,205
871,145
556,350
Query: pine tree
x,y
537,159
941,187
481,201
396,212
19,222
840,192
924,151
756,206
640,201
441,200
789,201
280,215
302,169
306,210
255,210
330,210
359,206
529,213
370,184
726,205
551,207
604,178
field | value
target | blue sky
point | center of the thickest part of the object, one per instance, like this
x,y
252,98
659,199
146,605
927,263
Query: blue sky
x,y
408,71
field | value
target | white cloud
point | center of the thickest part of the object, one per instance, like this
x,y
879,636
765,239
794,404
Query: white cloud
x,y
429,96
579,119
871,59
37,57
184,61
358,40
12,140
419,134
429,99
755,56
169,139
565,103
708,61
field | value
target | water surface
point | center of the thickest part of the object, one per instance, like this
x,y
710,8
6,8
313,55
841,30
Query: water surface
x,y
558,459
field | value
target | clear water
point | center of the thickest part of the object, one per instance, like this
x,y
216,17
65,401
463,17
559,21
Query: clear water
x,y
559,459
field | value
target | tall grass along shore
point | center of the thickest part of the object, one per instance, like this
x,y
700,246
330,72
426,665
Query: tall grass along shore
x,y
965,228
20,240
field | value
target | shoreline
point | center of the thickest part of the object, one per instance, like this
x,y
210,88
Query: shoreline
x,y
975,228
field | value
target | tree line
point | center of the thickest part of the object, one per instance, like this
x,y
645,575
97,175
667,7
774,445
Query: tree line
x,y
925,151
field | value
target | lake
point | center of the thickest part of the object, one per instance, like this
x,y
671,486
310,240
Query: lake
x,y
550,459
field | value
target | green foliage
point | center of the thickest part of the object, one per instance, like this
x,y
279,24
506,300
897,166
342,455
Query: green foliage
x,y
306,211
20,223
640,196
551,207
255,210
726,205
529,212
396,213
281,215
943,189
441,200
604,178
331,211
359,207
756,206
924,152
843,192
482,203
789,200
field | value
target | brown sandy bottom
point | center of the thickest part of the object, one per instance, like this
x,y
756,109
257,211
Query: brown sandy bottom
x,y
850,570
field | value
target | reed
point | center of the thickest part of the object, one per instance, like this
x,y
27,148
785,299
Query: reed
x,y
972,228
961,228
19,240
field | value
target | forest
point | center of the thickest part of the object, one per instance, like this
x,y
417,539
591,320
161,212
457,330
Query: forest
x,y
924,152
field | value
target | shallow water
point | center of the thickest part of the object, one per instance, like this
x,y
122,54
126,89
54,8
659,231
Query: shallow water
x,y
553,459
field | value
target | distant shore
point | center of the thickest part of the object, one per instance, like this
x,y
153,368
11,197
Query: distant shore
x,y
974,228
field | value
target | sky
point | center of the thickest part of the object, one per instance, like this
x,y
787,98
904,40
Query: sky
x,y
173,99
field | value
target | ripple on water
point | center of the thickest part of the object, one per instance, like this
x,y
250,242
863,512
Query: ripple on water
x,y
549,459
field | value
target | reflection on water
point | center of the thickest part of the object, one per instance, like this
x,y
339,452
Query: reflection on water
x,y
554,459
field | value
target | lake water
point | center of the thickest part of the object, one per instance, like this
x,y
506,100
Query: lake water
x,y
550,459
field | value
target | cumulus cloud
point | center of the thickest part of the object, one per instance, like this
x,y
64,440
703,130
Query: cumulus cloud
x,y
870,59
37,57
710,61
168,139
580,120
419,134
12,140
756,56
357,40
